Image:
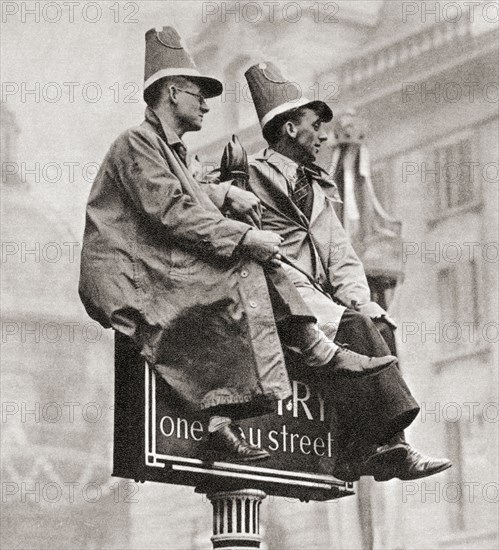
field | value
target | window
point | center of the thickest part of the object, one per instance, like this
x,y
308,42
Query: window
x,y
463,491
453,176
448,294
460,310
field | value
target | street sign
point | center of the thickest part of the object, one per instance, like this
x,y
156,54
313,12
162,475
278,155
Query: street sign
x,y
157,439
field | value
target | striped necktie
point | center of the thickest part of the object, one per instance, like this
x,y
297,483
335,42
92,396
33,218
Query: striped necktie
x,y
303,194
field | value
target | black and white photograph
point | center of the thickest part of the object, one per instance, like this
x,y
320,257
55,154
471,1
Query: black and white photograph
x,y
249,275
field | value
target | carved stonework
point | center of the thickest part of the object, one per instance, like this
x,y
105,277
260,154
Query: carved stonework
x,y
348,128
375,234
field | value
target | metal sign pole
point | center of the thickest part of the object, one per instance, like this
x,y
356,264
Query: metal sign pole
x,y
236,519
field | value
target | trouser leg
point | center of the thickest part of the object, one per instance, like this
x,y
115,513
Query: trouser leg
x,y
314,347
360,334
376,338
371,408
388,335
216,422
356,328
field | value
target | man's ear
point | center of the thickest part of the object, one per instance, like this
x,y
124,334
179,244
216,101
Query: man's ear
x,y
172,94
290,129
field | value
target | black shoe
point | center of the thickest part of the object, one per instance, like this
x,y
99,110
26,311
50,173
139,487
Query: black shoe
x,y
228,443
346,362
373,464
416,465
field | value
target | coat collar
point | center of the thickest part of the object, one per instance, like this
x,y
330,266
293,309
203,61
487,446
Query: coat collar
x,y
170,135
288,168
323,184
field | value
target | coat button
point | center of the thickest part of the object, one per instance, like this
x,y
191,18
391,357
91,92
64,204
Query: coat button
x,y
252,304
244,273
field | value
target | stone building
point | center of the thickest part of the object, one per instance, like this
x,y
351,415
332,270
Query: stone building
x,y
427,85
56,380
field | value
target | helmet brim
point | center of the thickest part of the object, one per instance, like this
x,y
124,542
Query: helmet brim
x,y
322,109
209,87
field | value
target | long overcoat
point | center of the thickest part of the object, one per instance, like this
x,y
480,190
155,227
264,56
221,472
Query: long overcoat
x,y
161,264
318,248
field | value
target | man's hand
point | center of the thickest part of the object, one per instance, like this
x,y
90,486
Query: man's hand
x,y
245,205
262,246
375,311
389,321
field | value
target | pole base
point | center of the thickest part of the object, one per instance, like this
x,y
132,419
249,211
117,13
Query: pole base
x,y
236,519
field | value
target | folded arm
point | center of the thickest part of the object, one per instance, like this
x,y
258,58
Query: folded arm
x,y
158,193
226,195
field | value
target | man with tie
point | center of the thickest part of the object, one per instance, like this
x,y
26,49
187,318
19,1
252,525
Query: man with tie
x,y
297,198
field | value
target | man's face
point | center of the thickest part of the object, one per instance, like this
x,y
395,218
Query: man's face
x,y
190,108
309,135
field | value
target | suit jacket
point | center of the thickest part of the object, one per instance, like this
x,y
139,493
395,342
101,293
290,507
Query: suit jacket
x,y
318,247
160,263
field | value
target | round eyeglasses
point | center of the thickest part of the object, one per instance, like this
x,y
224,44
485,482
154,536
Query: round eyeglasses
x,y
200,97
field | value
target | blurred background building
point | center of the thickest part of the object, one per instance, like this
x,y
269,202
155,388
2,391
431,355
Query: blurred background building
x,y
422,80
